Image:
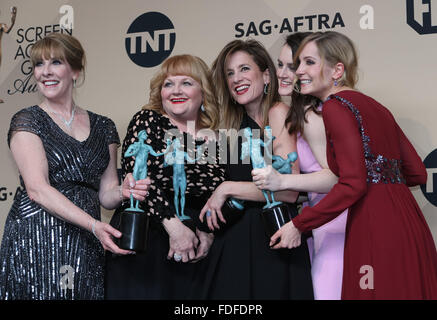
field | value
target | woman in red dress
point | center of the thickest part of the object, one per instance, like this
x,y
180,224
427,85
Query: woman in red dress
x,y
389,249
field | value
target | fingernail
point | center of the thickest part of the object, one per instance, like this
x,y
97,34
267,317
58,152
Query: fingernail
x,y
131,184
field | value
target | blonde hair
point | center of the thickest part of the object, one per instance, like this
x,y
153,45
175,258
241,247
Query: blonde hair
x,y
335,47
60,46
232,112
195,68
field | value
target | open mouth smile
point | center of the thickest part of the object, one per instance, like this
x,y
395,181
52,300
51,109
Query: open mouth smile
x,y
242,89
50,83
178,100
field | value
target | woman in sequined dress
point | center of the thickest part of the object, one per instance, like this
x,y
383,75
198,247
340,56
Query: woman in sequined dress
x,y
53,243
389,250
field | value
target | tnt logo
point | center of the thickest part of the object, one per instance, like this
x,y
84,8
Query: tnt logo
x,y
430,188
422,15
150,39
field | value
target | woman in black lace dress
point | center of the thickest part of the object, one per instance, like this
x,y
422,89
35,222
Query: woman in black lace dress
x,y
182,106
53,242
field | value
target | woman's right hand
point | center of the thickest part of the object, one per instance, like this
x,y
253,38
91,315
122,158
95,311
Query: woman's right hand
x,y
183,242
104,233
267,178
139,189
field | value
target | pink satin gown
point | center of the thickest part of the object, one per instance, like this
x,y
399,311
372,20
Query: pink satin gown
x,y
326,247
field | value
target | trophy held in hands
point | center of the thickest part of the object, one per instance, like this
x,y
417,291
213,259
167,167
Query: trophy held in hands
x,y
176,158
134,221
278,214
275,213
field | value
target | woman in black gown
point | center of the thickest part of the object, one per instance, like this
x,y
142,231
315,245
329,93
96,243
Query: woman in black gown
x,y
182,105
241,265
53,242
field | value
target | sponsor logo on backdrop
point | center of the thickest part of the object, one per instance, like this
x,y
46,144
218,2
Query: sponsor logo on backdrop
x,y
422,15
430,188
314,22
150,39
25,38
6,194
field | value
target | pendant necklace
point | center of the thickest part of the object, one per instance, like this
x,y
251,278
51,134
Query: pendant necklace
x,y
67,123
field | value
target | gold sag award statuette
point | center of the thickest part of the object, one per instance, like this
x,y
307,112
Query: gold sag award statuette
x,y
5,29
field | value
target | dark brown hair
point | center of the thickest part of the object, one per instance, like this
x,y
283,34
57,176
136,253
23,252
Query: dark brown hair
x,y
300,103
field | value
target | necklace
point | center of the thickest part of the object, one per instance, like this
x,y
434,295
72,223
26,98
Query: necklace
x,y
67,123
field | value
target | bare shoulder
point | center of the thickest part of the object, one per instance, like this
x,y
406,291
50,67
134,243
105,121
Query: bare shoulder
x,y
278,109
279,106
314,128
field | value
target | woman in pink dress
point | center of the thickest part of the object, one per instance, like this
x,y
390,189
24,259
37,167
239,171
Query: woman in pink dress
x,y
304,117
389,251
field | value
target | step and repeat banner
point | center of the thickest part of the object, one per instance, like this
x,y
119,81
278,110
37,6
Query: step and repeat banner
x,y
125,41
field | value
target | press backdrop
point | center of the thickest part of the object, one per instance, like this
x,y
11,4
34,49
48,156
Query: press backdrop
x,y
125,41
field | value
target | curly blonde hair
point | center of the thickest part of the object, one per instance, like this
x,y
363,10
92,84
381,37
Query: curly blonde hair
x,y
195,68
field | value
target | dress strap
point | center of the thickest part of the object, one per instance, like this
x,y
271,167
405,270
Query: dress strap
x,y
379,168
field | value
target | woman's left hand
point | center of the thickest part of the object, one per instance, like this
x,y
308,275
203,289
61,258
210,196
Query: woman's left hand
x,y
139,189
104,233
206,239
288,235
183,241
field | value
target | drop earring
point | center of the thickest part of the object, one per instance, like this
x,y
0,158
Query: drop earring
x,y
266,85
335,83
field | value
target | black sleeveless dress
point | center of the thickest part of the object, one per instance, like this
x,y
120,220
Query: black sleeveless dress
x,y
242,266
41,256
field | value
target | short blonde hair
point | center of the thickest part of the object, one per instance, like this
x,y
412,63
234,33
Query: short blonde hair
x,y
195,68
335,47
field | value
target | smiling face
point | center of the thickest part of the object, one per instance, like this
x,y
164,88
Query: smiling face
x,y
54,78
181,97
285,71
315,75
245,79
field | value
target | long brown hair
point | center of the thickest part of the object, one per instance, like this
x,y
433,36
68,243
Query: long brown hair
x,y
300,103
232,112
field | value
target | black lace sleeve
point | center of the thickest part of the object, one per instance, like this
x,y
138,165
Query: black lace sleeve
x,y
156,204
